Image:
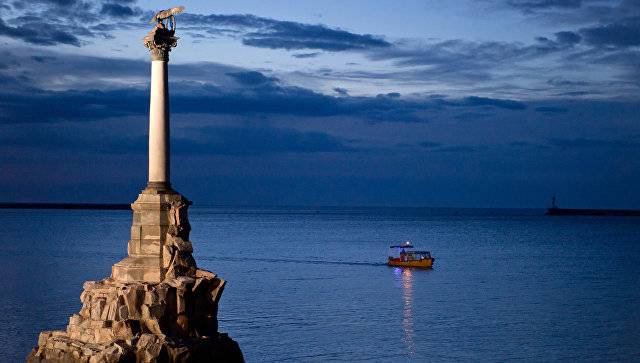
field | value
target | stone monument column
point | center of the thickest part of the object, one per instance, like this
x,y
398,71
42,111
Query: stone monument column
x,y
157,305
159,245
159,149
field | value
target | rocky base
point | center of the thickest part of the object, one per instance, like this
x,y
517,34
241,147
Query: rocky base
x,y
157,306
56,346
171,321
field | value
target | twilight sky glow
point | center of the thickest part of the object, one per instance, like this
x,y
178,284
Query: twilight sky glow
x,y
492,103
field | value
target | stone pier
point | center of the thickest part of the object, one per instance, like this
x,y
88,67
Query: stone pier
x,y
157,305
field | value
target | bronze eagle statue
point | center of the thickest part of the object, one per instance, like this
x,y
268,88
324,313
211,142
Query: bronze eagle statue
x,y
161,36
167,14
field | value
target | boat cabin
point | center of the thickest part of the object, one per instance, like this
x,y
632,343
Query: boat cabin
x,y
406,252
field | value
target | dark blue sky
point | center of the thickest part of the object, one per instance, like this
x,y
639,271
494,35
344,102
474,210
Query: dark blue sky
x,y
419,103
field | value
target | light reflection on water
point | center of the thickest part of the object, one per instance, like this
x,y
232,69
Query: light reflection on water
x,y
407,309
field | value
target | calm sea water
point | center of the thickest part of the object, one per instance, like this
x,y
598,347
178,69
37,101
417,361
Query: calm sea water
x,y
311,284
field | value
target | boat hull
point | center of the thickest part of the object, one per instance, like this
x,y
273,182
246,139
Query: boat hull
x,y
425,263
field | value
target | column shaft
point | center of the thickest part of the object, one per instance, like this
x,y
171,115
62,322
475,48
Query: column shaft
x,y
159,171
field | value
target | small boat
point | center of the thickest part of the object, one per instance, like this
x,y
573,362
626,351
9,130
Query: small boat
x,y
409,257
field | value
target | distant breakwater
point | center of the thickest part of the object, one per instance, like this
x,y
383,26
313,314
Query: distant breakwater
x,y
98,206
593,212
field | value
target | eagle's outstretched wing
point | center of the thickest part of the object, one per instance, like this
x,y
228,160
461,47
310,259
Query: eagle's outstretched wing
x,y
163,14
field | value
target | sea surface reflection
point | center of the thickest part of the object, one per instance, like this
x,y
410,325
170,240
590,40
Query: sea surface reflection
x,y
406,275
311,285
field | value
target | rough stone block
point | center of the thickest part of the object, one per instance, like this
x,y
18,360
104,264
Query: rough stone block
x,y
133,269
154,217
136,231
157,311
152,326
123,313
124,330
133,247
96,308
153,232
151,247
149,347
75,319
205,274
43,337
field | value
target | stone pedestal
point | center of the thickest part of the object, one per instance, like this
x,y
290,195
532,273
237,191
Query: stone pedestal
x,y
159,244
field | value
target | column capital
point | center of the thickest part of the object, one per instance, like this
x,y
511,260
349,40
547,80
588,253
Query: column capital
x,y
159,41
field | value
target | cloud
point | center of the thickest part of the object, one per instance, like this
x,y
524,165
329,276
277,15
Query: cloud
x,y
70,22
625,34
563,82
464,62
500,103
328,42
252,78
42,59
568,37
508,68
59,2
341,91
259,141
483,54
201,88
306,55
609,35
70,105
50,70
441,148
263,32
536,5
39,33
478,67
575,93
92,88
119,11
471,116
460,149
243,141
551,109
253,94
577,11
74,138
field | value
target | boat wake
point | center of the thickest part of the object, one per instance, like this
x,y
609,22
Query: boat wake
x,y
285,260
